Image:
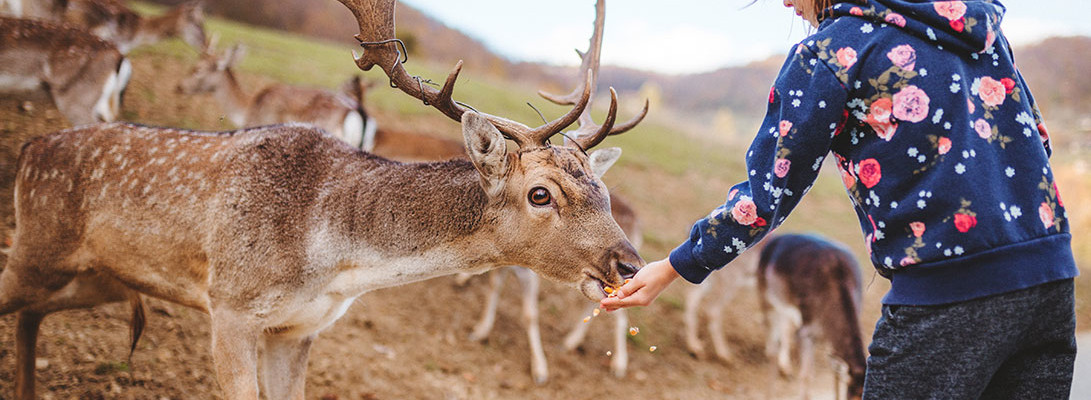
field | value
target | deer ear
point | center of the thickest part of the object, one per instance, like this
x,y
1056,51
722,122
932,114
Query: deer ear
x,y
602,159
488,151
232,57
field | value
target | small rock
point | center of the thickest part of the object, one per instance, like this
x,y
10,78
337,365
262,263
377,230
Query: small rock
x,y
41,363
27,107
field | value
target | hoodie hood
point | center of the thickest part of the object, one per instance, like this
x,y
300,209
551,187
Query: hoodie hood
x,y
970,26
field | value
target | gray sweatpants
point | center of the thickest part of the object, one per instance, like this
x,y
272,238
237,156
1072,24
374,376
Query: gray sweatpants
x,y
1018,345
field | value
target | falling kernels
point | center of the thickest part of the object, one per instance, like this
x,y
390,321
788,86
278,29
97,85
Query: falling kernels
x,y
608,290
609,353
652,349
633,331
627,281
596,312
585,319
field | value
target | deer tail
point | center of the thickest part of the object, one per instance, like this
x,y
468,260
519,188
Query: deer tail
x,y
136,324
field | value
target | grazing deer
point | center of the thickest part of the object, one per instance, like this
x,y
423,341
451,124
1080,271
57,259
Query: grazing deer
x,y
401,145
336,113
721,287
115,22
622,213
811,288
274,231
83,75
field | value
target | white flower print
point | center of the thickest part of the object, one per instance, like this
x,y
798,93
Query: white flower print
x,y
867,28
956,77
796,103
1024,119
1015,211
924,72
959,251
931,34
822,104
1010,172
893,204
728,250
960,169
955,87
947,252
938,116
739,244
921,204
913,152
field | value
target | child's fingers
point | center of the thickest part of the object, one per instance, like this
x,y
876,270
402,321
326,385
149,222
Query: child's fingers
x,y
629,288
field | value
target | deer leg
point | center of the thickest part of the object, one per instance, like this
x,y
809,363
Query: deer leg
x,y
26,339
619,363
234,354
539,368
690,318
575,337
488,316
806,359
716,330
284,367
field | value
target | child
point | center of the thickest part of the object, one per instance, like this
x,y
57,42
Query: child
x,y
945,157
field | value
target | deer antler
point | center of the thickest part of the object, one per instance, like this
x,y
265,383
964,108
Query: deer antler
x,y
376,20
589,134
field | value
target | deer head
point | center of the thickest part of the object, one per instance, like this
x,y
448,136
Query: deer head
x,y
212,69
542,194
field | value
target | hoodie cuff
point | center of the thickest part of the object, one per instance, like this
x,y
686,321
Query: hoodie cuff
x,y
687,265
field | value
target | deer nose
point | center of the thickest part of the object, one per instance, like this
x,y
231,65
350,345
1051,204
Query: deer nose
x,y
626,270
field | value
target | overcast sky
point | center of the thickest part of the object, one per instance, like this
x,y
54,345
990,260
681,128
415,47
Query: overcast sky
x,y
684,36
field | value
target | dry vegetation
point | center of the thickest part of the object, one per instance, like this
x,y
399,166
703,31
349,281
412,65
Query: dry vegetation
x,y
409,343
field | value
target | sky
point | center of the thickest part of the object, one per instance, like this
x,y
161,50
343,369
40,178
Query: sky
x,y
685,36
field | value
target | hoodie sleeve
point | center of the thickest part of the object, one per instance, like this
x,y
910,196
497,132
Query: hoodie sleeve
x,y
806,111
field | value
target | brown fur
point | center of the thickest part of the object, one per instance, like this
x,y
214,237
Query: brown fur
x,y
71,65
822,280
270,229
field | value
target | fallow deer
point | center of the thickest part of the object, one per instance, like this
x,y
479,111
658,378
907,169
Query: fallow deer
x,y
83,75
400,144
335,112
115,22
810,288
710,298
622,213
274,231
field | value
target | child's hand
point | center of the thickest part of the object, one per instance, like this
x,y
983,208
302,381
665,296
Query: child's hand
x,y
644,287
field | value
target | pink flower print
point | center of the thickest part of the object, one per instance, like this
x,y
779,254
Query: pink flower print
x,y
970,105
856,11
952,10
745,212
772,94
846,56
879,118
984,130
911,104
870,173
991,91
903,56
917,228
1009,85
781,167
943,145
907,261
896,19
847,179
1042,132
785,127
990,38
731,195
963,222
1045,213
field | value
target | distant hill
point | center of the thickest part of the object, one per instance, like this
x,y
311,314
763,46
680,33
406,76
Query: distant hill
x,y
1055,68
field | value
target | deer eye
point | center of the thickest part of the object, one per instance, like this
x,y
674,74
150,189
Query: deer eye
x,y
539,196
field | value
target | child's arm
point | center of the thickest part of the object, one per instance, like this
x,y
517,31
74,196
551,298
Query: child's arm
x,y
806,111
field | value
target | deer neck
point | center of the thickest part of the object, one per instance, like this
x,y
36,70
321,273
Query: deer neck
x,y
152,30
425,220
234,101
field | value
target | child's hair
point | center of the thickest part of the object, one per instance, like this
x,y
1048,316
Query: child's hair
x,y
822,7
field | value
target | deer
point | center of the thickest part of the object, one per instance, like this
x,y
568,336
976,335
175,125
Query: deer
x,y
115,22
809,289
710,298
84,76
337,113
623,213
274,231
400,144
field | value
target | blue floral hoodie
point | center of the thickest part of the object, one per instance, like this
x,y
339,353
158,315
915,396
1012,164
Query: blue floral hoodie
x,y
939,143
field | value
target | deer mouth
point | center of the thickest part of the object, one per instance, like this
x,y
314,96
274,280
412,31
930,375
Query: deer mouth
x,y
597,288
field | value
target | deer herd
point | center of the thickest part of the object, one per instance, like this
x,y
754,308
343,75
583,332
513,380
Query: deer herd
x,y
274,229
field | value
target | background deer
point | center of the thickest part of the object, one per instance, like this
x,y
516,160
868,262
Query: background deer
x,y
274,231
83,75
810,288
719,289
115,22
336,113
401,145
